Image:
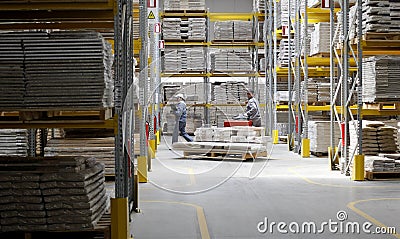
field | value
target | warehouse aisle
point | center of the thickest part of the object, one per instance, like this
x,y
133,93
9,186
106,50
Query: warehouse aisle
x,y
232,199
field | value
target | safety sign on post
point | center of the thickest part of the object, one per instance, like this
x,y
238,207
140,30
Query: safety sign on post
x,y
151,15
161,44
157,27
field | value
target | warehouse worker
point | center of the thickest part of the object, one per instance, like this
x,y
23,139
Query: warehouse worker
x,y
253,109
180,114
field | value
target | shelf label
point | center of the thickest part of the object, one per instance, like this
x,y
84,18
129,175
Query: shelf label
x,y
151,3
285,31
325,4
157,27
151,15
161,44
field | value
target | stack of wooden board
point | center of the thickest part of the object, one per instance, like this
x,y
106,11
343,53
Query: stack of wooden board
x,y
184,59
13,142
381,77
229,93
231,60
51,194
377,138
59,70
283,57
180,29
233,30
102,149
320,39
320,136
184,5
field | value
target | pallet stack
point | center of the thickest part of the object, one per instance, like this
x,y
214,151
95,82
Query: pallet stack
x,y
381,75
184,5
231,60
320,39
382,164
55,70
318,90
187,59
233,30
14,142
102,149
377,138
320,136
229,93
51,194
283,57
179,29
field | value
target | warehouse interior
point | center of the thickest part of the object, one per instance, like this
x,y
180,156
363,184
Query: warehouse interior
x,y
96,97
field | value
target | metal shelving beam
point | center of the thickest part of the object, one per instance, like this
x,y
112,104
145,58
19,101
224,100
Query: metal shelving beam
x,y
290,112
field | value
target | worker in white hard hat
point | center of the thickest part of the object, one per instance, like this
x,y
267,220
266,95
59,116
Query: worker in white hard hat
x,y
180,115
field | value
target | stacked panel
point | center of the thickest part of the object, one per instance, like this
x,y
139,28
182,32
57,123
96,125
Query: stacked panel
x,y
102,149
59,70
381,75
51,194
184,59
377,138
320,136
14,142
191,29
231,60
233,30
184,5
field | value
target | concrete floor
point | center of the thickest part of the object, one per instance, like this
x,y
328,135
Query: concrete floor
x,y
204,199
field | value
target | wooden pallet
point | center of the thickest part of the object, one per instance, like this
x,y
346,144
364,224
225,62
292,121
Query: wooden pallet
x,y
43,114
382,175
232,41
224,156
381,36
101,230
383,106
322,54
183,11
185,40
320,154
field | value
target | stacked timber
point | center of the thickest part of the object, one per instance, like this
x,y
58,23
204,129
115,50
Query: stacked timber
x,y
51,194
381,77
320,136
231,60
102,149
377,138
180,29
231,92
233,30
186,59
14,142
283,57
41,70
184,5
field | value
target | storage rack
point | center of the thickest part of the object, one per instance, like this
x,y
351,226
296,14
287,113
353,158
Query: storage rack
x,y
113,18
208,74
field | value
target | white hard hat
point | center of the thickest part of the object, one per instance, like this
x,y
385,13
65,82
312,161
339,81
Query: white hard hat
x,y
180,96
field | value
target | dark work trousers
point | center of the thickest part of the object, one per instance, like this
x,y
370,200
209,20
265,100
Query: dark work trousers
x,y
182,126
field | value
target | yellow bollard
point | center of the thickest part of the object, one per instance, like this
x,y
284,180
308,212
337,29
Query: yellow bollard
x,y
152,144
358,168
275,136
158,137
119,218
305,148
142,169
